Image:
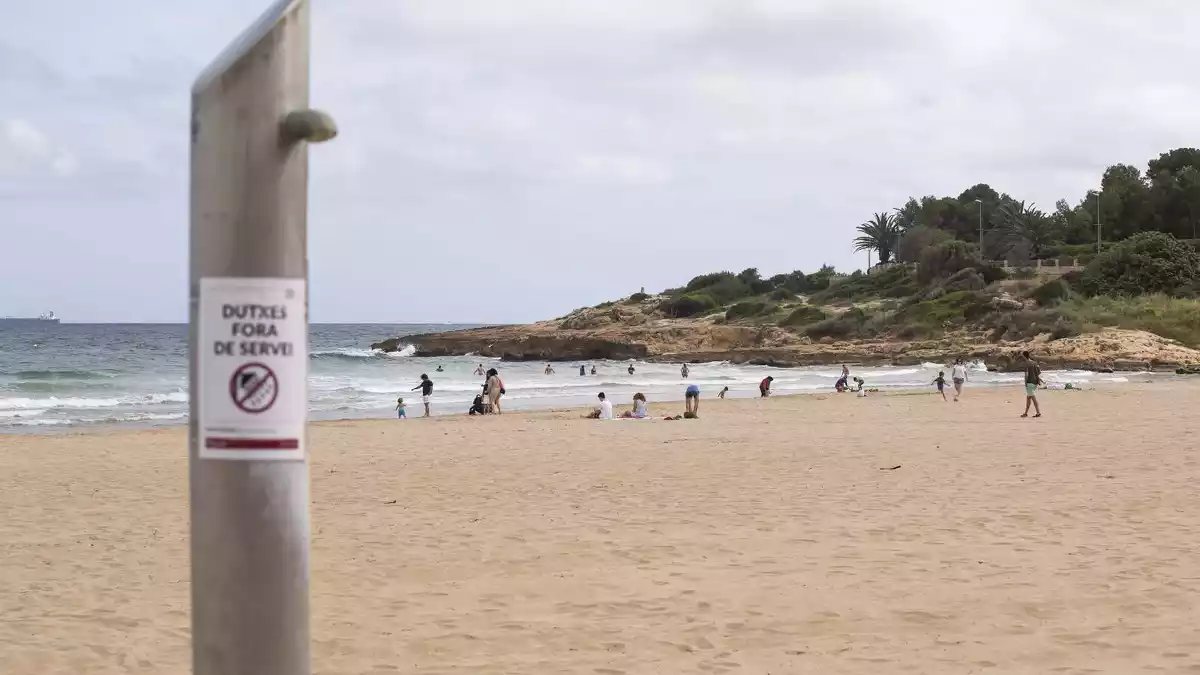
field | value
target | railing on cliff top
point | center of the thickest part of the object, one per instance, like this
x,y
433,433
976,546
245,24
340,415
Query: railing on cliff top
x,y
1045,268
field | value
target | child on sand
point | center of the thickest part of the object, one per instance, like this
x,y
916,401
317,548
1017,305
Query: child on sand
x,y
723,392
400,414
940,381
764,387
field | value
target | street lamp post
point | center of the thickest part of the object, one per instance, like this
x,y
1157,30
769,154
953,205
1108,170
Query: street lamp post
x,y
980,203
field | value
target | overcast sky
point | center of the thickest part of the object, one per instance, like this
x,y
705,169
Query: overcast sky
x,y
509,161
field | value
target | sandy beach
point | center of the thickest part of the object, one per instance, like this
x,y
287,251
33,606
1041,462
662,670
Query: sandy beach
x,y
766,537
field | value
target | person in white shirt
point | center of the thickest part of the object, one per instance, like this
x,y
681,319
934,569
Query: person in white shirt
x,y
606,411
958,374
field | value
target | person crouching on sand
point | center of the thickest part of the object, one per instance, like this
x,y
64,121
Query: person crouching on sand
x,y
723,392
764,387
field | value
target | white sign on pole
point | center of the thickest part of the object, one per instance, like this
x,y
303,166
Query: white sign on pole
x,y
253,370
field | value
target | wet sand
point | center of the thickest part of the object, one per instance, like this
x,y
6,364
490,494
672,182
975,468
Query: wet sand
x,y
766,537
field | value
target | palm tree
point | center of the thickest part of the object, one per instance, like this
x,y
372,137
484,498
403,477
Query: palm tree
x,y
879,234
1020,224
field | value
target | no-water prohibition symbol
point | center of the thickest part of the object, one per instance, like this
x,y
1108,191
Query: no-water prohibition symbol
x,y
253,388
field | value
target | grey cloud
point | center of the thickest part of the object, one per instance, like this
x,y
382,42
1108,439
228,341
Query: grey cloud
x,y
509,161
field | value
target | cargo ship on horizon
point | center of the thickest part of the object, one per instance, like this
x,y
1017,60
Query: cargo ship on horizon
x,y
42,320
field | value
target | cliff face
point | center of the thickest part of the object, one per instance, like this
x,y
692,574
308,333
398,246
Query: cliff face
x,y
623,332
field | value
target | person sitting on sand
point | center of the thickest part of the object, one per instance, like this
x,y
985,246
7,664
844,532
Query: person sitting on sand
x,y
549,369
764,387
723,392
941,383
400,414
604,412
691,400
639,408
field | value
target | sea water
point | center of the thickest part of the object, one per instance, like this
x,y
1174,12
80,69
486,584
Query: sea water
x,y
78,375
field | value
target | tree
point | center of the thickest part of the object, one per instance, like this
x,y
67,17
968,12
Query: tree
x,y
915,241
878,234
1025,226
1149,262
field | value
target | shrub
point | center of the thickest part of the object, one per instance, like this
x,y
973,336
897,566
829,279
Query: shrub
x,y
1029,323
933,316
915,241
965,280
1149,262
848,324
1173,318
781,294
744,310
690,304
637,297
803,315
893,282
706,280
943,260
1051,293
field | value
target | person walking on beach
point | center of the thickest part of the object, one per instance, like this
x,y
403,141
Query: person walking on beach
x,y
958,374
940,381
1033,378
691,400
684,371
426,388
582,370
400,414
845,372
764,387
495,389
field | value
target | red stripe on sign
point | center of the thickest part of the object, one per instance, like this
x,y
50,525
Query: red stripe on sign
x,y
252,443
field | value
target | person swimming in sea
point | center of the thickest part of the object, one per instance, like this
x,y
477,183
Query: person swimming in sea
x,y
479,371
549,369
439,370
632,370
